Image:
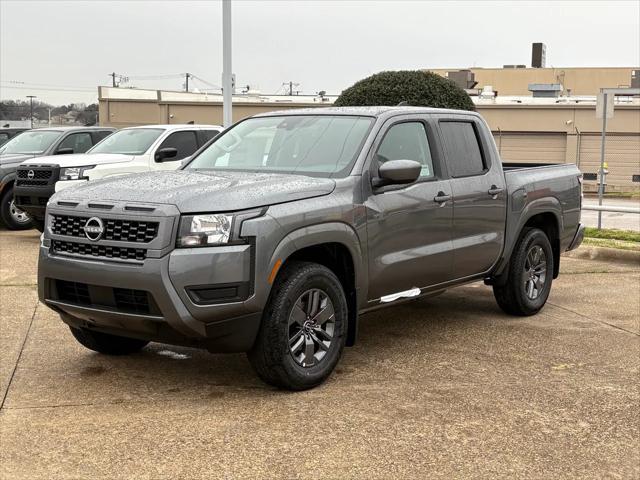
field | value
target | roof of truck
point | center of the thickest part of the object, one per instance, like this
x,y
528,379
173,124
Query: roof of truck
x,y
364,111
175,126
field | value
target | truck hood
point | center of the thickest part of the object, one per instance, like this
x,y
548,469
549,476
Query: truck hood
x,y
80,159
193,191
14,158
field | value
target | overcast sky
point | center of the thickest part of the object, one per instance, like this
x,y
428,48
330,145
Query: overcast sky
x,y
322,45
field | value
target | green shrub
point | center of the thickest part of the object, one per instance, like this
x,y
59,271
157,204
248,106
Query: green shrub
x,y
417,88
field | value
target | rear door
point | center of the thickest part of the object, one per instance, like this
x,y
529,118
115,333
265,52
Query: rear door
x,y
408,226
479,195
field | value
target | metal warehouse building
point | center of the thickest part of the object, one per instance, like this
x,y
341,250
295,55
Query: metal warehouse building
x,y
548,124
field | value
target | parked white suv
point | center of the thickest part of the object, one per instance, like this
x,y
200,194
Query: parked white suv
x,y
130,150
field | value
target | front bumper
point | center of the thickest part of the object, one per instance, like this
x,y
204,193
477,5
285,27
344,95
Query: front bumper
x,y
577,238
201,297
34,186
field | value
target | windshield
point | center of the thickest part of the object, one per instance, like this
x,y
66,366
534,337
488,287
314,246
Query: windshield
x,y
33,142
133,141
317,145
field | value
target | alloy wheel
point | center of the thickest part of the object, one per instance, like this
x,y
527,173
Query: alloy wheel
x,y
18,215
311,327
535,272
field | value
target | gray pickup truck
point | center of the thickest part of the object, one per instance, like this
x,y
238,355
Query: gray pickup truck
x,y
276,236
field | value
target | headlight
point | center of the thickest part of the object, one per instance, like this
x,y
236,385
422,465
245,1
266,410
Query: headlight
x,y
204,230
75,173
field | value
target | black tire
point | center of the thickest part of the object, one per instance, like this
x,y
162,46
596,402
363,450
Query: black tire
x,y
272,358
107,344
513,296
12,217
38,224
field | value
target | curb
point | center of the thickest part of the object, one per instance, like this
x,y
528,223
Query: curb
x,y
605,254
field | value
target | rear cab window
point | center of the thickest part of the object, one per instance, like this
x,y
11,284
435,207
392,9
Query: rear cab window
x,y
462,148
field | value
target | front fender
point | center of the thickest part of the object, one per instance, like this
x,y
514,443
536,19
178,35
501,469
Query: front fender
x,y
330,232
7,180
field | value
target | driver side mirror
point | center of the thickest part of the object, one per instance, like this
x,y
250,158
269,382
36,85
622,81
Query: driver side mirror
x,y
64,151
397,172
166,153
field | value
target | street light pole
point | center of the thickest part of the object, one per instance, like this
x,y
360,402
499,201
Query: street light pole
x,y
227,76
31,97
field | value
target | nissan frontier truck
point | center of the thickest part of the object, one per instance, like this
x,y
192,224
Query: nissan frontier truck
x,y
276,237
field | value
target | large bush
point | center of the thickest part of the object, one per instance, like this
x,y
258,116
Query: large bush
x,y
416,88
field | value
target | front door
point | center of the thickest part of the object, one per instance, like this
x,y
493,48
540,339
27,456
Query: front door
x,y
409,226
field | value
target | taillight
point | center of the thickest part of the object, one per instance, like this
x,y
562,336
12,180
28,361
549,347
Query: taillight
x,y
581,189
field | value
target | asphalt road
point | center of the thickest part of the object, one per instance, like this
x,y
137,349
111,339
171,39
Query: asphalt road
x,y
448,387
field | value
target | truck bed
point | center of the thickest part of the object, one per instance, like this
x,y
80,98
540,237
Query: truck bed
x,y
542,188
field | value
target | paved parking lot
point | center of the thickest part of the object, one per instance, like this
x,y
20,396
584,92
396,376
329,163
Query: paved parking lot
x,y
446,387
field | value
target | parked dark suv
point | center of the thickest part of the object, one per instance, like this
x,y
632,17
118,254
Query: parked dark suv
x,y
7,134
37,143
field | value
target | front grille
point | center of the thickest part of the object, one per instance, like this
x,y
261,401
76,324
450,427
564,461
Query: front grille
x,y
37,174
31,183
42,176
130,300
33,201
118,230
124,300
98,251
73,292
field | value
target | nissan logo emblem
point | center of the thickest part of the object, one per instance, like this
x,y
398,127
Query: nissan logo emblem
x,y
93,229
31,174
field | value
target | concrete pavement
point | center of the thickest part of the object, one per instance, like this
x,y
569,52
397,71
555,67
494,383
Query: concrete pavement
x,y
622,221
439,388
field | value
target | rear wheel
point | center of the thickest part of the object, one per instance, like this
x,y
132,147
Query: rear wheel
x,y
303,328
530,275
106,343
12,216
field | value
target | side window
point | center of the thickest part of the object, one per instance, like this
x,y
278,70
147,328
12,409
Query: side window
x,y
185,142
407,141
3,137
208,135
100,135
79,142
462,149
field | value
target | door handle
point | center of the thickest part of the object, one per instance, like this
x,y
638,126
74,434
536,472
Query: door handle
x,y
494,191
441,198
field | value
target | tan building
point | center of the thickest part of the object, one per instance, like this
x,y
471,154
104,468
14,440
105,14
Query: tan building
x,y
526,129
574,80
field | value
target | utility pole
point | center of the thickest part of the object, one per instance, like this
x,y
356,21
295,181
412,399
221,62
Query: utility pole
x,y
290,88
227,75
186,82
113,78
31,97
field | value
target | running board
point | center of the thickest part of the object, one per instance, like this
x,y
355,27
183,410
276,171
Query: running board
x,y
414,292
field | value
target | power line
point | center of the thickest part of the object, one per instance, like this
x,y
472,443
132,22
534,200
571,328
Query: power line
x,y
44,89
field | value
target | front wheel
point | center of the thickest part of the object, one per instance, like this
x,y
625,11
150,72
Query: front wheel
x,y
303,328
530,275
12,216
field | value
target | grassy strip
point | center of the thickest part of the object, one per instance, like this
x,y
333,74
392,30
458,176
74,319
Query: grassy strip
x,y
611,243
612,234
